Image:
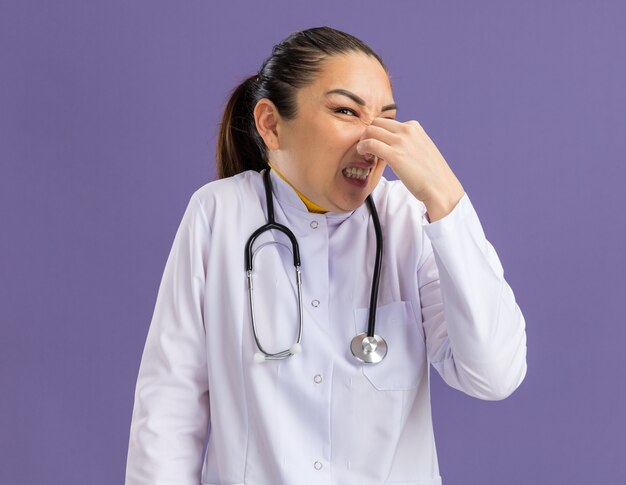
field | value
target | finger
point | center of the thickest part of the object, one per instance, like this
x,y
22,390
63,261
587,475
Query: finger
x,y
375,147
381,134
397,126
393,126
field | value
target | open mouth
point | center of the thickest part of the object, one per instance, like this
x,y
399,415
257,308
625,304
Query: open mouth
x,y
356,173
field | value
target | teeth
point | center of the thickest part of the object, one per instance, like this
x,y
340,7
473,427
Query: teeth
x,y
356,173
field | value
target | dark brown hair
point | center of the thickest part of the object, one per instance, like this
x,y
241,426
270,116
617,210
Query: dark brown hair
x,y
294,63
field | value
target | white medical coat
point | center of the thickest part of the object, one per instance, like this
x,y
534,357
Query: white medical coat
x,y
319,417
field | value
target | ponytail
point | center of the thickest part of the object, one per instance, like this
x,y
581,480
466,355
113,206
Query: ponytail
x,y
237,147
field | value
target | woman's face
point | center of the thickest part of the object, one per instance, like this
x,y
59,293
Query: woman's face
x,y
316,151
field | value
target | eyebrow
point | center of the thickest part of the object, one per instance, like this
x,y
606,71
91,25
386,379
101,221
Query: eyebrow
x,y
357,99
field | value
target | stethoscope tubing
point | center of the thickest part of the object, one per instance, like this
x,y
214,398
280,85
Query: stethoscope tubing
x,y
272,224
371,323
284,353
363,346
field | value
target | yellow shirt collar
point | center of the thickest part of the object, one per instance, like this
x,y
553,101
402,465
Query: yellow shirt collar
x,y
310,205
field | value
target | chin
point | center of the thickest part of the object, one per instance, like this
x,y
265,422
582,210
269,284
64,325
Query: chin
x,y
352,204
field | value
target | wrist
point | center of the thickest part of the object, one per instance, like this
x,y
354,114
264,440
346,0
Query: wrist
x,y
439,205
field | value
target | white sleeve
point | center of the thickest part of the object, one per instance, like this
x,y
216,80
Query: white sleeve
x,y
475,331
171,408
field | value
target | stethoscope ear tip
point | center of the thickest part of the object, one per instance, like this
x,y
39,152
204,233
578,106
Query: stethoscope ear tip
x,y
259,358
296,348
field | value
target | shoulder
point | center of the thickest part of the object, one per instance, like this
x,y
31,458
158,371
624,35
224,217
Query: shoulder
x,y
228,186
229,194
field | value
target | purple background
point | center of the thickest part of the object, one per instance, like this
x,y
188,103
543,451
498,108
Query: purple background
x,y
108,120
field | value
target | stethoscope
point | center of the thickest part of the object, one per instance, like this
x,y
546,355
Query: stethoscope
x,y
367,347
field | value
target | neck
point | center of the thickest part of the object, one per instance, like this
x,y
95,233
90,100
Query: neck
x,y
310,205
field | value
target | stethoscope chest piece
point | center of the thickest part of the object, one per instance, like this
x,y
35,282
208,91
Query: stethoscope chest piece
x,y
369,350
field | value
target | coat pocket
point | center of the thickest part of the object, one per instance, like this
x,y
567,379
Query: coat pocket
x,y
404,364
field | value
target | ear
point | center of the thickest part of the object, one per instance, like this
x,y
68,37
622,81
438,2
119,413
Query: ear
x,y
266,118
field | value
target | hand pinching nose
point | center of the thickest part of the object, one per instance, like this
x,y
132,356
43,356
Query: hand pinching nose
x,y
370,157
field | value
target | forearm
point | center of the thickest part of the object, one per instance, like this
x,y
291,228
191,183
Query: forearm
x,y
475,330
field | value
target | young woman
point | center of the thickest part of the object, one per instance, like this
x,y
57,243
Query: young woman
x,y
319,374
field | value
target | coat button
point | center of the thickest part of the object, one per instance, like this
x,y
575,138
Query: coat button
x,y
317,379
315,303
317,465
314,224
